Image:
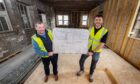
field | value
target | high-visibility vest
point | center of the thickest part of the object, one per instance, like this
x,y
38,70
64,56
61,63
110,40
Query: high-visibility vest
x,y
94,39
40,43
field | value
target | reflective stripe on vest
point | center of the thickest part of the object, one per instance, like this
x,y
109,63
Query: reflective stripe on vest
x,y
40,43
94,39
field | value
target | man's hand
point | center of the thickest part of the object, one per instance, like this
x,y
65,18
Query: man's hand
x,y
90,53
50,53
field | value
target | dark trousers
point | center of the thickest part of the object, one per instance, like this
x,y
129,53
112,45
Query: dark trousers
x,y
46,61
94,61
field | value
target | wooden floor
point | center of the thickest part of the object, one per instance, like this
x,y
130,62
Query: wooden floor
x,y
111,69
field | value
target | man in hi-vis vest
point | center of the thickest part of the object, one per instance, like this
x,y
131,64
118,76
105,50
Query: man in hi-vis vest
x,y
97,39
42,44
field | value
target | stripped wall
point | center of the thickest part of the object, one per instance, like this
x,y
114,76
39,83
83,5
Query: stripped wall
x,y
14,40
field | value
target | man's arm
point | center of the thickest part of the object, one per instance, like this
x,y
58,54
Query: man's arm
x,y
99,47
103,41
90,53
37,49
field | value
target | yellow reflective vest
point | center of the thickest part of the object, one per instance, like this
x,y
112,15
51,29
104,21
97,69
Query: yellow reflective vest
x,y
40,43
94,39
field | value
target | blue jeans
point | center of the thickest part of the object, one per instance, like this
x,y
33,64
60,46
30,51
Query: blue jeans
x,y
95,58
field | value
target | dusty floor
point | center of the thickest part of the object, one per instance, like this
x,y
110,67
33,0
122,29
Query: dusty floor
x,y
111,69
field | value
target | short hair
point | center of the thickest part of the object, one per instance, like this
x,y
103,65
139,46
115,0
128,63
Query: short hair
x,y
99,16
39,22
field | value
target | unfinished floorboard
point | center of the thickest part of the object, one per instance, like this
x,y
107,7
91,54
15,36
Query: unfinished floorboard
x,y
111,69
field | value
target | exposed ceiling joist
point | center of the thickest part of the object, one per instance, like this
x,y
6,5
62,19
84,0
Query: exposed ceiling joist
x,y
73,4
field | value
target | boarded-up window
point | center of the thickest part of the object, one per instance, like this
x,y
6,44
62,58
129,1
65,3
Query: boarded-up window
x,y
136,29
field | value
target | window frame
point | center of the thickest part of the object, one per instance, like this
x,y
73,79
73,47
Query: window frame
x,y
25,12
4,14
57,20
131,33
81,21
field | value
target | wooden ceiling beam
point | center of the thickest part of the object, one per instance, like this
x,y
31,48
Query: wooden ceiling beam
x,y
73,4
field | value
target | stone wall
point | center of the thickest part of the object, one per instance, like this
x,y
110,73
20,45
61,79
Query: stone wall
x,y
18,38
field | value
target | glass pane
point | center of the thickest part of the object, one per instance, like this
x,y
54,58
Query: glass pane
x,y
84,22
59,17
137,25
26,13
65,22
84,17
25,20
60,22
26,26
2,7
25,10
3,24
66,17
21,9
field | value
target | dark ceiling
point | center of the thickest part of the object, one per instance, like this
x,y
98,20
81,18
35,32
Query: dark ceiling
x,y
73,4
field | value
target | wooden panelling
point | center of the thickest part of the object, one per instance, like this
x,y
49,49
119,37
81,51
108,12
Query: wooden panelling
x,y
129,44
130,26
119,18
134,55
111,21
127,14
